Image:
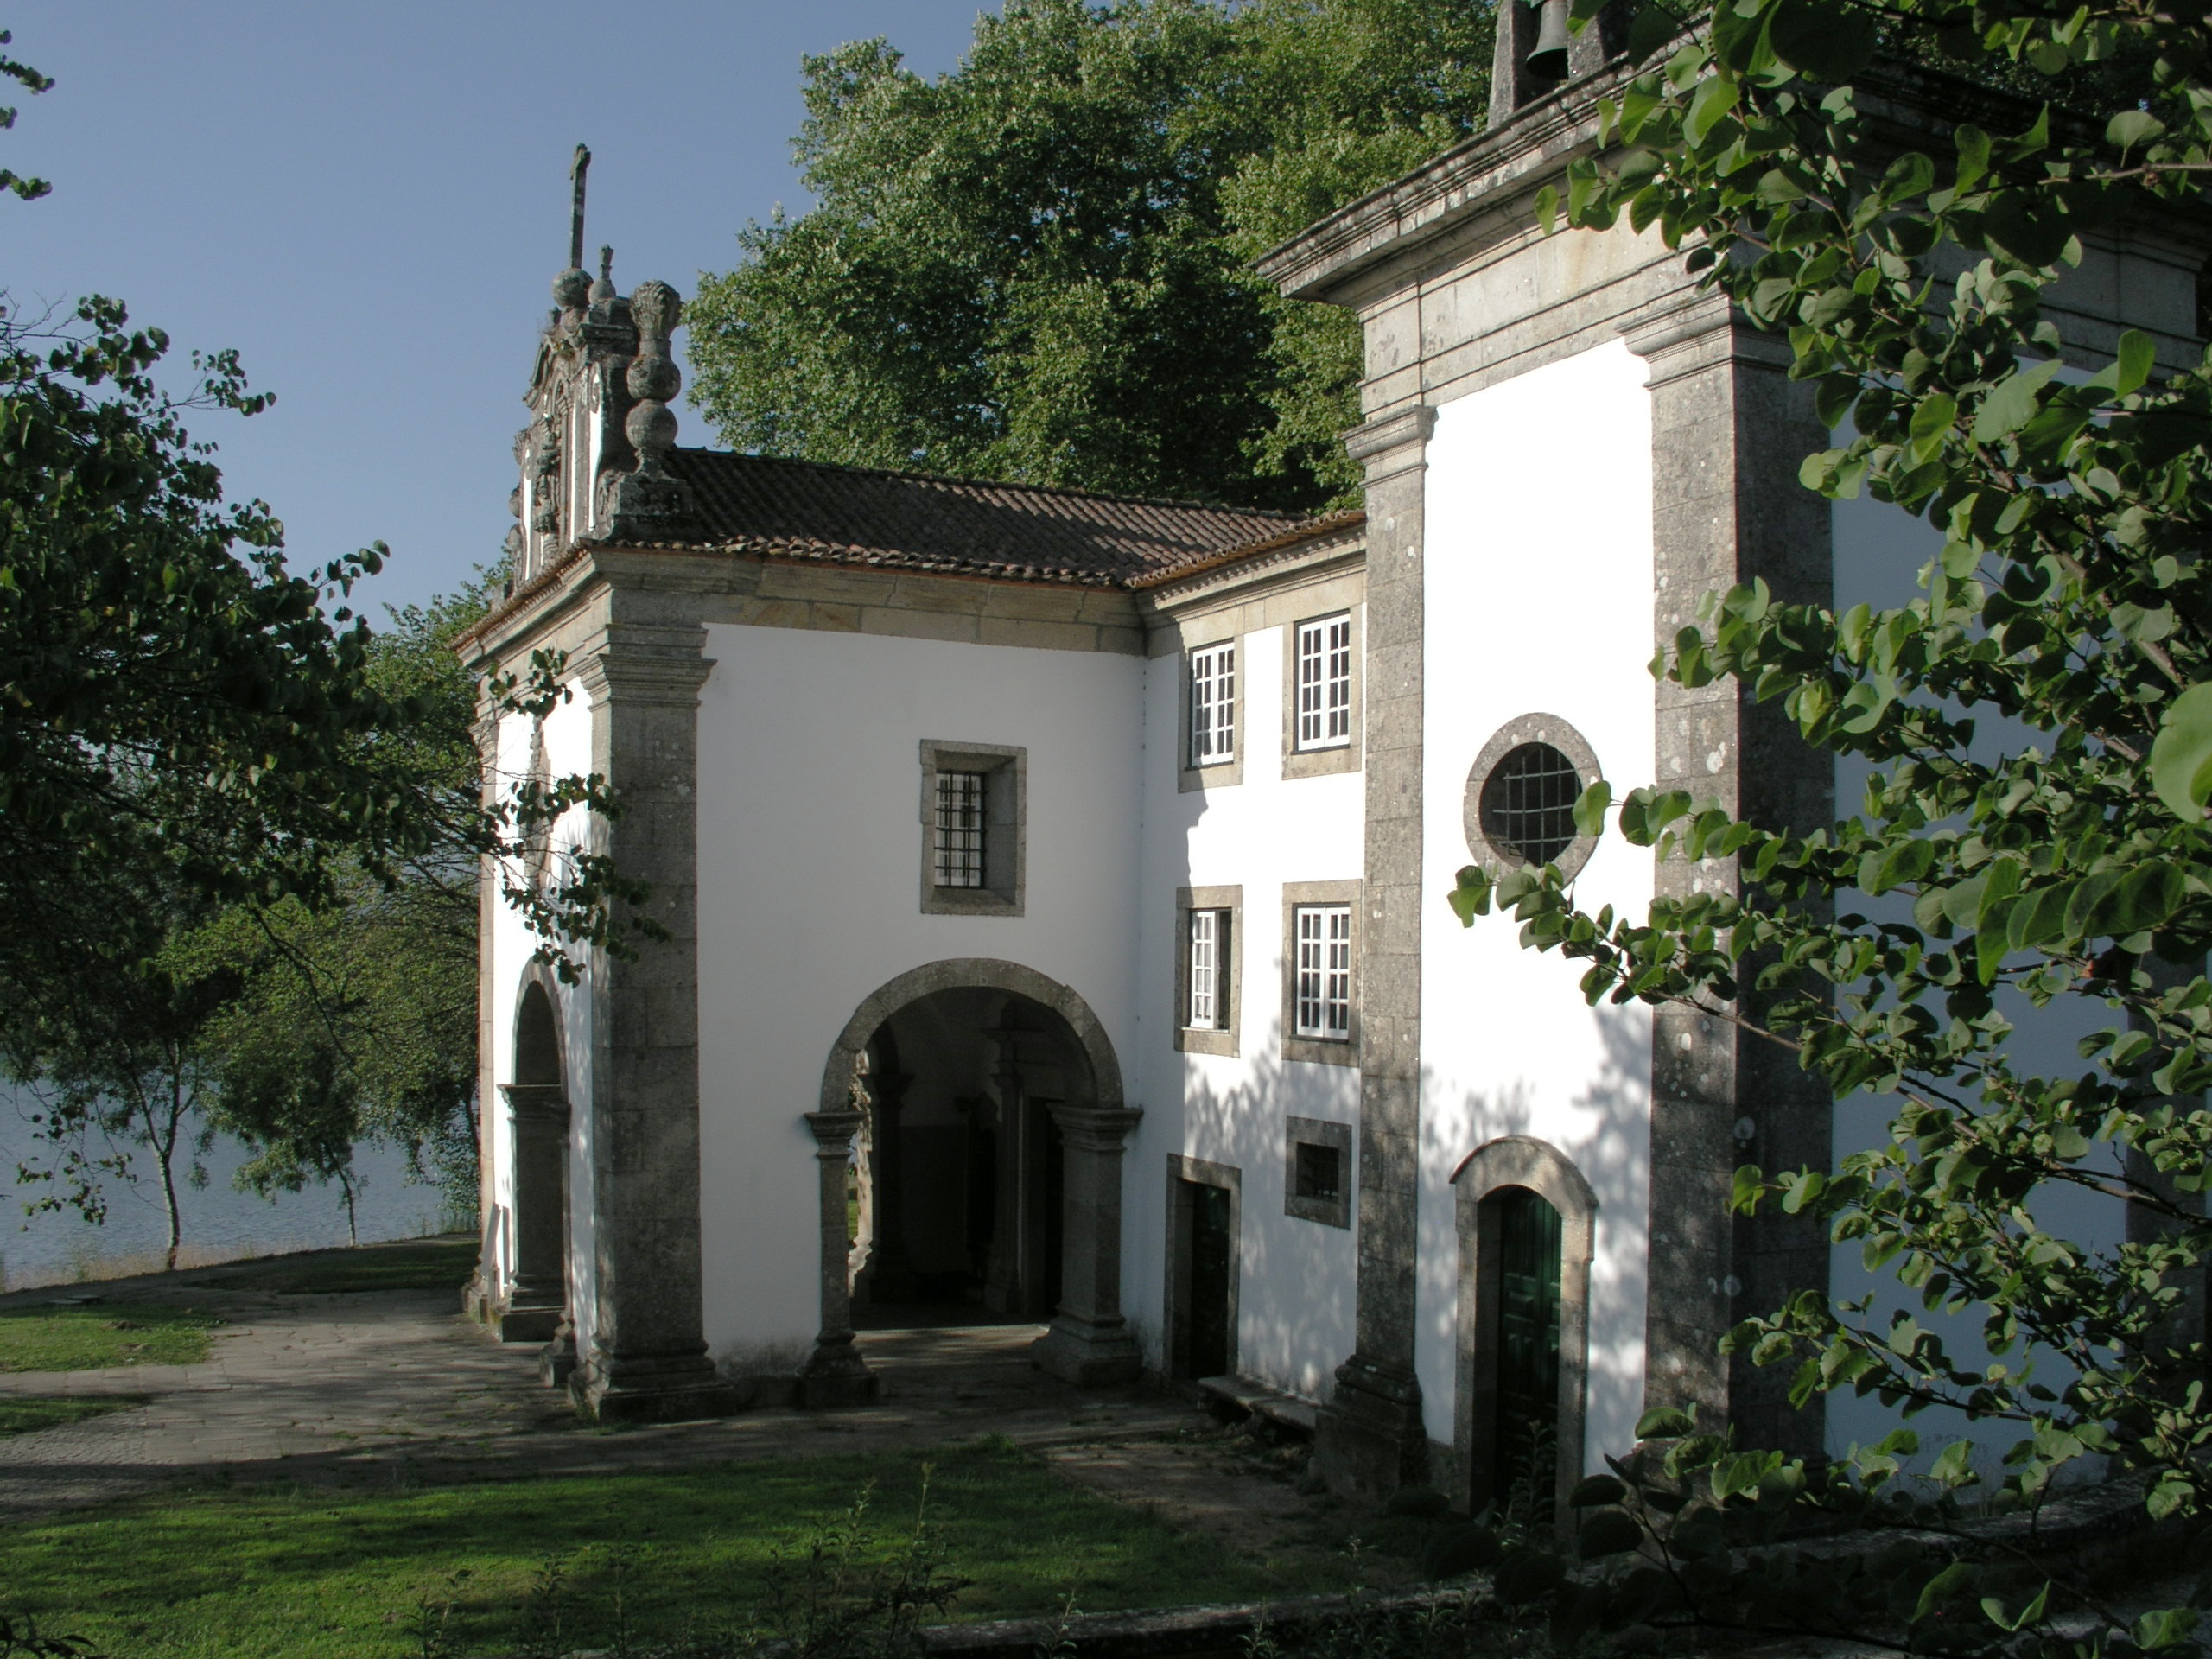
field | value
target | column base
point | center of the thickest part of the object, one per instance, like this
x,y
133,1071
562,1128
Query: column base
x,y
836,1374
1368,1440
1088,1353
558,1362
524,1323
476,1299
652,1389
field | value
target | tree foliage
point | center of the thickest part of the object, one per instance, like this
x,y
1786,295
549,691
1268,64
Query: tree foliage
x,y
1034,267
1996,879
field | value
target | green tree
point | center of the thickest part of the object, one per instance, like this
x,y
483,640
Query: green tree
x,y
2071,598
1034,267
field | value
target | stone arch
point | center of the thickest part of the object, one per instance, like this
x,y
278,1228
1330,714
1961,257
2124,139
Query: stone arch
x,y
1520,1163
1087,1341
536,1307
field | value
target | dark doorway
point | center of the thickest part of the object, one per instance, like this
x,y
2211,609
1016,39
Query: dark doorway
x,y
537,1300
1525,1454
1211,1247
962,1218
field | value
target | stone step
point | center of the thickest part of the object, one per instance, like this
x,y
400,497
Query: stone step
x,y
1285,1410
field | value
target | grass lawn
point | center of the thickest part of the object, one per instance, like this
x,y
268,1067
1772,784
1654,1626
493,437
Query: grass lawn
x,y
26,1413
295,1571
108,1333
426,1264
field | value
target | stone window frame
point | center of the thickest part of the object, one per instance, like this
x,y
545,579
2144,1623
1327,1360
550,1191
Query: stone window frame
x,y
1215,774
1520,1161
1318,1132
1297,895
1176,1290
1342,757
1222,1039
1538,728
1006,827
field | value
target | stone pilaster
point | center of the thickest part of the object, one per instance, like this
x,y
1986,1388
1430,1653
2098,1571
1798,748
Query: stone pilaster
x,y
836,1374
1368,1439
538,1294
647,1360
1729,431
1089,1342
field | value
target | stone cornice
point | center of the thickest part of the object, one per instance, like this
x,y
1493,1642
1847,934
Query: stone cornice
x,y
1346,549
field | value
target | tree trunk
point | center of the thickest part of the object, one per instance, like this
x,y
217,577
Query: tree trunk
x,y
346,1184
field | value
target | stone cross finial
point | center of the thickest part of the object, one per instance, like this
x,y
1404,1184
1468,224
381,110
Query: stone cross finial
x,y
577,168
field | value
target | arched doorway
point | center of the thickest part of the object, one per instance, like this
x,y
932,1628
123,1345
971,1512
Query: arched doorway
x,y
536,1303
1527,1225
985,1103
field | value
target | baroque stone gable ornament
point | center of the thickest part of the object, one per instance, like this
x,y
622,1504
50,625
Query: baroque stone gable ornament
x,y
649,503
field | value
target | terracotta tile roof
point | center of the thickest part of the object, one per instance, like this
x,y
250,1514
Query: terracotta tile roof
x,y
1308,530
850,515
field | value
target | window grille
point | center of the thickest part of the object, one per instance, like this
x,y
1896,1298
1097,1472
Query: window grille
x,y
1324,944
1213,705
958,841
1528,802
1325,684
1210,980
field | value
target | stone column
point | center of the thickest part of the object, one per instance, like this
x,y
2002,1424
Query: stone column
x,y
836,1374
888,1270
1728,431
1089,1342
1368,1439
477,1295
537,1295
648,1358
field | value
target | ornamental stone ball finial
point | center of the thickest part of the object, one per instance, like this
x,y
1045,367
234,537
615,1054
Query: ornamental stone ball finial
x,y
654,379
604,288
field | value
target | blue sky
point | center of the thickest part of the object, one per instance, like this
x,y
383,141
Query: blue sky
x,y
369,201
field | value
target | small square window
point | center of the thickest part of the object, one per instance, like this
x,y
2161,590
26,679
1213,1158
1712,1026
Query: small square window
x,y
1213,705
974,820
1323,995
1320,1172
1317,1171
1324,684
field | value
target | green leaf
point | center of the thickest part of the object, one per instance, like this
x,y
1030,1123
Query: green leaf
x,y
1953,1581
2181,755
1471,897
2010,404
1931,424
1825,40
1709,105
1609,1532
2131,127
1590,809
1664,1423
1592,1490
2028,224
2164,1627
1526,1574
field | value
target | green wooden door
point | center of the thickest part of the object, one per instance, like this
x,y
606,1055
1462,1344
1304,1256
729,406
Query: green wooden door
x,y
1525,1457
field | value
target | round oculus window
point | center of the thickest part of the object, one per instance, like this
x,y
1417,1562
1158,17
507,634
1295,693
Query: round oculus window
x,y
1528,803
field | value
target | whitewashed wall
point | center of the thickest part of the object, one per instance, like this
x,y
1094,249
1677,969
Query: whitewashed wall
x,y
1538,593
568,750
1294,1315
809,870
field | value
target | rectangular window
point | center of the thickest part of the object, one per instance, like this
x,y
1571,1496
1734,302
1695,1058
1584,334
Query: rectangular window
x,y
1213,705
1210,980
1324,995
958,845
1324,684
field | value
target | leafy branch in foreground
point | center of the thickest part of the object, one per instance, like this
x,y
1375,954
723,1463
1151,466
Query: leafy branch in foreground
x,y
2039,724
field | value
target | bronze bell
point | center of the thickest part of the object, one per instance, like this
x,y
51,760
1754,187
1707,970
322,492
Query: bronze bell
x,y
1548,58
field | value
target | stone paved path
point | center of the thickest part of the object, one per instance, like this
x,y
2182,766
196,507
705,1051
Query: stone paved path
x,y
396,1385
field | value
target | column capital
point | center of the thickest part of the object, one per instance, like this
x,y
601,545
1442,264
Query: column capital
x,y
1392,443
1696,329
543,1103
833,1131
1094,1128
638,664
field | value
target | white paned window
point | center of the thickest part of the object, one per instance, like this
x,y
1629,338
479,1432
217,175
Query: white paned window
x,y
957,844
1325,684
1210,977
1213,705
1324,944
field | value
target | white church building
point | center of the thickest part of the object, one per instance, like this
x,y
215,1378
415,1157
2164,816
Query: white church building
x,y
1070,871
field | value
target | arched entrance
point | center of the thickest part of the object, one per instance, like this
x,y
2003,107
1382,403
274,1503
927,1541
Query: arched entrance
x,y
986,1104
536,1303
1527,1225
